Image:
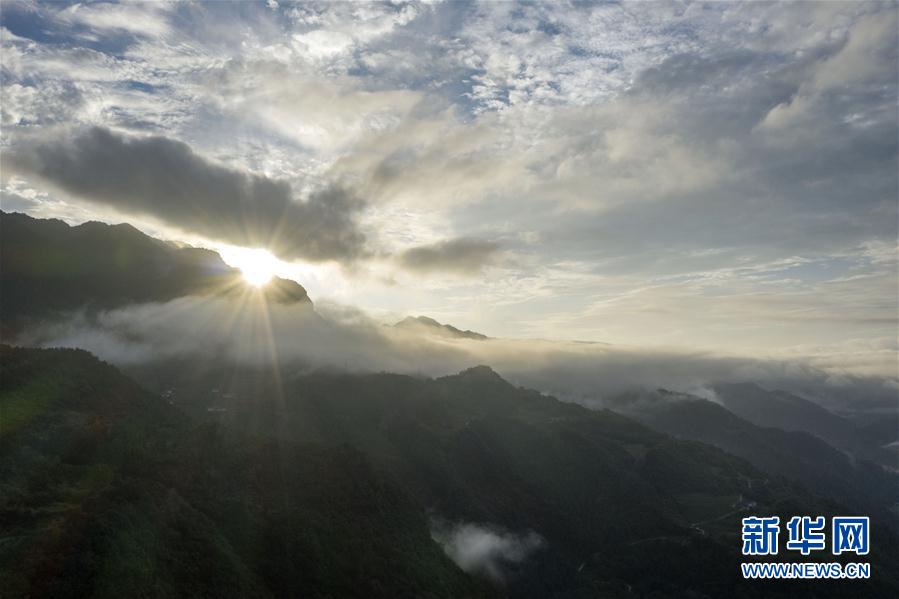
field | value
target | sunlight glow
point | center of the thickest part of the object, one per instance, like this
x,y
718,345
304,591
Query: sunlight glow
x,y
258,266
257,277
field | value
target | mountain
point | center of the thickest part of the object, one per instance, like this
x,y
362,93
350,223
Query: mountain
x,y
107,491
796,455
48,267
337,485
880,428
782,410
432,327
618,505
789,412
196,476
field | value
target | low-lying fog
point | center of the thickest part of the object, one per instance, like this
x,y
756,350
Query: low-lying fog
x,y
252,332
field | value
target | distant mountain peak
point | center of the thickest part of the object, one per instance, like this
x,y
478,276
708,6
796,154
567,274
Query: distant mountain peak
x,y
786,411
482,373
481,370
425,323
285,291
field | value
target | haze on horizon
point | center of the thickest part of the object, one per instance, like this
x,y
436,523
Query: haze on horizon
x,y
704,176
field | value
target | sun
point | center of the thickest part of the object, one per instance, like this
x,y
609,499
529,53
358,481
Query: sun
x,y
256,265
256,275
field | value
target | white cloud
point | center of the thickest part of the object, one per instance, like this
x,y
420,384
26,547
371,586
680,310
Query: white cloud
x,y
323,114
653,153
138,18
485,550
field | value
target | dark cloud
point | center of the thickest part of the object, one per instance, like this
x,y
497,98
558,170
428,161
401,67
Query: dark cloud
x,y
463,255
166,180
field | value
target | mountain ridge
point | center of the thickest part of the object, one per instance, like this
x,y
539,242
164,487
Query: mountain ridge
x,y
430,325
797,455
48,267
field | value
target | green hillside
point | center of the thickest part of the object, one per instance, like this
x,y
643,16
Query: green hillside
x,y
609,496
109,492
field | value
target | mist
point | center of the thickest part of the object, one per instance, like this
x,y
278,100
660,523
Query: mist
x,y
252,332
484,549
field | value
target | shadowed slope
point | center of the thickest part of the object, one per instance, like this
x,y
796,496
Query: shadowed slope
x,y
106,491
47,267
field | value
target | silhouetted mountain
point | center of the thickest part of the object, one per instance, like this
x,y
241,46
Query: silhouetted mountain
x,y
789,412
782,410
47,267
431,326
793,454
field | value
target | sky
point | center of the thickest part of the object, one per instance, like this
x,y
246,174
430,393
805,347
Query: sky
x,y
712,176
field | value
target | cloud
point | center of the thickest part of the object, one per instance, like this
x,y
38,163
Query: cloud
x,y
139,18
322,114
484,549
663,155
53,102
249,333
463,256
166,180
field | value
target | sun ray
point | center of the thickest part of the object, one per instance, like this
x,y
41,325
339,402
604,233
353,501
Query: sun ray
x,y
258,266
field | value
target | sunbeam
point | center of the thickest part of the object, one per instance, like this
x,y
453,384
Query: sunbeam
x,y
258,266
